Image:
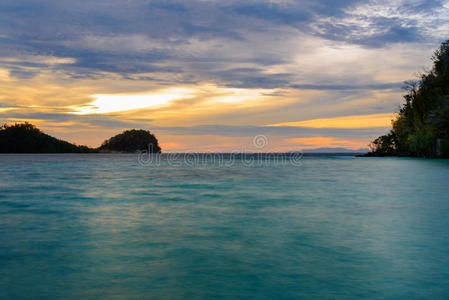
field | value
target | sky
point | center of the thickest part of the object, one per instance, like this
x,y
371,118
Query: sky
x,y
209,75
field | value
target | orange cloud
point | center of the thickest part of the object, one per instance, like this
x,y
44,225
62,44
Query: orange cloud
x,y
347,122
169,146
104,104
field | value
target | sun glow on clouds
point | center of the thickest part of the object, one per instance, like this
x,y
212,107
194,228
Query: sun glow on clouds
x,y
241,95
347,122
210,94
108,103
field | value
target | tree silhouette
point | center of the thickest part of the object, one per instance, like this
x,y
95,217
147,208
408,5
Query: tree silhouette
x,y
26,138
422,126
132,141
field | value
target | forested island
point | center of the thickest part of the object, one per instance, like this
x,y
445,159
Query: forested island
x,y
132,141
421,128
27,138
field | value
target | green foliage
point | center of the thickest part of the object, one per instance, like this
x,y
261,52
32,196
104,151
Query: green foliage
x,y
422,143
444,148
383,145
423,120
132,141
26,138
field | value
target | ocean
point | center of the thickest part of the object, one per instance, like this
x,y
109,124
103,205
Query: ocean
x,y
112,226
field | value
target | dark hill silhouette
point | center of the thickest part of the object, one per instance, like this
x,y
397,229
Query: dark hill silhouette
x,y
132,141
26,138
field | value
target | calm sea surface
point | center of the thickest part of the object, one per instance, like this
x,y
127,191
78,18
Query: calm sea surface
x,y
106,226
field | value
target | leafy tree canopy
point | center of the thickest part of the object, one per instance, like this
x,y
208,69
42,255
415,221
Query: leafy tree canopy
x,y
422,125
132,141
26,138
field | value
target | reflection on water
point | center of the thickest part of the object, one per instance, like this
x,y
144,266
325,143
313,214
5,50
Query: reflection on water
x,y
92,226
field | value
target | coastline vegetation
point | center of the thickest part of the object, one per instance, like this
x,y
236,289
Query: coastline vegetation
x,y
421,128
27,138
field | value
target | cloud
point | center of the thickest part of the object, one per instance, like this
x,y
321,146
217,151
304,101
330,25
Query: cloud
x,y
249,131
357,121
337,87
62,119
105,104
22,74
177,36
251,78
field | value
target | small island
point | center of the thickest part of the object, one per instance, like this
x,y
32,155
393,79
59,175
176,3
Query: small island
x,y
132,141
27,138
421,128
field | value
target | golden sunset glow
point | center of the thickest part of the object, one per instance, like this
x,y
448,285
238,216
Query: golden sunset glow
x,y
240,95
211,81
360,121
278,149
326,142
104,104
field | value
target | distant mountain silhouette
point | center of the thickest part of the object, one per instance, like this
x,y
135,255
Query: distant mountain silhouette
x,y
26,138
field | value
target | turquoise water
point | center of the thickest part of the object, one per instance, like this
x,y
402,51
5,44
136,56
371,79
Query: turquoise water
x,y
105,226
